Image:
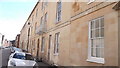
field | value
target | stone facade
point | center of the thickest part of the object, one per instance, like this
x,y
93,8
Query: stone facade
x,y
66,42
17,40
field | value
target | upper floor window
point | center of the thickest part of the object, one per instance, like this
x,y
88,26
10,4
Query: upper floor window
x,y
59,7
36,12
56,46
35,25
42,20
44,4
32,17
31,30
96,40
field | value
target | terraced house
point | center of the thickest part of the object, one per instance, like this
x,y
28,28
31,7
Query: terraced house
x,y
73,33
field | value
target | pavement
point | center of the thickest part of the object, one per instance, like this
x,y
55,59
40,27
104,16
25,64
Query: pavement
x,y
42,64
4,56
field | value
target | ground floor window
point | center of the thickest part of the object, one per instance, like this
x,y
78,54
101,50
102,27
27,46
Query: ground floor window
x,y
56,46
42,44
96,40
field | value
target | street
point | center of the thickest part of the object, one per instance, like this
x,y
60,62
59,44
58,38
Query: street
x,y
4,57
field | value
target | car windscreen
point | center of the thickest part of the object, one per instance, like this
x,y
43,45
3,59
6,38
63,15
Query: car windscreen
x,y
29,57
19,56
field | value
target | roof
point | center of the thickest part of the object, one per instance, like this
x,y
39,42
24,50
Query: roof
x,y
30,14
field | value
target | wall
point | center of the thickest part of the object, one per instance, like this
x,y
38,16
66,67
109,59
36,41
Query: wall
x,y
73,28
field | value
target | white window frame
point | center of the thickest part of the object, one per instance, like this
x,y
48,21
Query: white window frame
x,y
57,43
90,57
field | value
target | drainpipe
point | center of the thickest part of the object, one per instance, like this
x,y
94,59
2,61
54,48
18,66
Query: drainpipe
x,y
119,38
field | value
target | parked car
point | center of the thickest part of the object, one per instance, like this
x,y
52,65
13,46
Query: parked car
x,y
14,49
24,50
21,59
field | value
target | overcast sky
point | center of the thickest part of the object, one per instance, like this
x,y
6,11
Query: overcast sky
x,y
13,15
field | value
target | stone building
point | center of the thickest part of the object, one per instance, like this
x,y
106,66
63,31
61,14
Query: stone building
x,y
17,40
73,33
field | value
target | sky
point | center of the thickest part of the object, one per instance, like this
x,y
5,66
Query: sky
x,y
13,15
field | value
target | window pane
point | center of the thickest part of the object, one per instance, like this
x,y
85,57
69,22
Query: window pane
x,y
55,45
92,24
92,43
93,34
59,16
58,11
97,42
43,44
97,23
102,42
102,52
97,52
97,32
57,42
102,32
41,19
54,48
102,22
94,52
